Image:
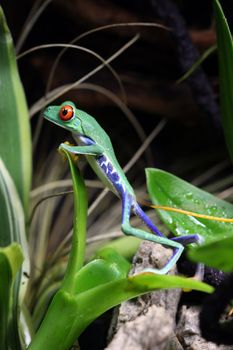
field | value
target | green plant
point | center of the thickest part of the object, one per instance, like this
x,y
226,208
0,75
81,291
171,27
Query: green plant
x,y
103,279
217,252
76,289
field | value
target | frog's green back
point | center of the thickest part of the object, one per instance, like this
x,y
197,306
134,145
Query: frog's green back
x,y
81,123
91,128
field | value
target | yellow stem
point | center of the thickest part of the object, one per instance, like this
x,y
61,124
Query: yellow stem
x,y
186,212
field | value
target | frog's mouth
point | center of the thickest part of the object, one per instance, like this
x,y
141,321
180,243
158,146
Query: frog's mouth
x,y
53,119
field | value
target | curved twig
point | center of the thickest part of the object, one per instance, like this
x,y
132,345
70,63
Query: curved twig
x,y
95,30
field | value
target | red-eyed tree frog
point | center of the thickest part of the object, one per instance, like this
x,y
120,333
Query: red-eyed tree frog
x,y
93,142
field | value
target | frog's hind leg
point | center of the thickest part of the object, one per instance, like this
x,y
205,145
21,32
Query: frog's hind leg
x,y
147,221
128,203
184,240
187,239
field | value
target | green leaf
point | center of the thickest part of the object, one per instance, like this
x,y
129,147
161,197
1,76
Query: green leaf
x,y
15,144
115,260
216,248
217,254
115,292
12,221
12,229
70,314
225,56
168,190
89,291
126,246
11,259
110,266
14,256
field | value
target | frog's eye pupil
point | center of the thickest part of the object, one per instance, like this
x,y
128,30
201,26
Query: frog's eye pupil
x,y
66,112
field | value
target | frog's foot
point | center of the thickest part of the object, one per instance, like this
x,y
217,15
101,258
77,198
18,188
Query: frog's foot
x,y
67,146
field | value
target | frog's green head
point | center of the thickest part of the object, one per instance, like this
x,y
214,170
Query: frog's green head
x,y
66,115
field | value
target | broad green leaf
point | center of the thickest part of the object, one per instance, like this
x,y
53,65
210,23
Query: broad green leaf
x,y
108,267
115,260
115,292
217,254
11,259
168,190
15,144
126,246
95,273
225,56
70,314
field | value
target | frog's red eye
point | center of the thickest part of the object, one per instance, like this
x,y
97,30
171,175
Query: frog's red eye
x,y
66,112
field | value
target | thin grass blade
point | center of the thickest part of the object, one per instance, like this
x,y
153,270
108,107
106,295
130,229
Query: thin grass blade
x,y
225,57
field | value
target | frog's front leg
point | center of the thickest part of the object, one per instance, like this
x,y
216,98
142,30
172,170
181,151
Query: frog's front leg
x,y
127,205
184,240
92,150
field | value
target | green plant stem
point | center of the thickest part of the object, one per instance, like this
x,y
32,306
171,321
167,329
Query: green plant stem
x,y
56,331
77,254
43,302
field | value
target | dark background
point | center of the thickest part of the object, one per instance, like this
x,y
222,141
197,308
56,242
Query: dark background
x,y
148,69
